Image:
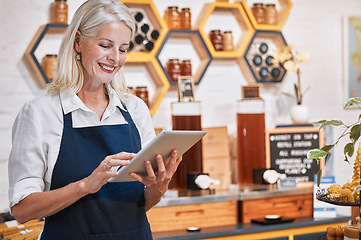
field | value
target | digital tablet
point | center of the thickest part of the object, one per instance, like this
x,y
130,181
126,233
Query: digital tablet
x,y
164,143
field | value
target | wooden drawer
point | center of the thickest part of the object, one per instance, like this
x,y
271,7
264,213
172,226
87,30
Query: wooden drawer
x,y
200,215
292,206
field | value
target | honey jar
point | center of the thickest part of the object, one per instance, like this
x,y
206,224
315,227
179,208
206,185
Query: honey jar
x,y
227,41
271,14
142,93
186,67
186,19
49,63
60,12
172,17
173,68
259,13
216,38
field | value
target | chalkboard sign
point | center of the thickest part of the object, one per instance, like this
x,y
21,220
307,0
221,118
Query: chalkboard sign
x,y
186,88
287,148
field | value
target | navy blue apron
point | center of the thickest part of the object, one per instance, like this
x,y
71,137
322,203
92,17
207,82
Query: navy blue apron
x,y
117,210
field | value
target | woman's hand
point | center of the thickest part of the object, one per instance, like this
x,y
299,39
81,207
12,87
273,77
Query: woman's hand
x,y
102,173
157,183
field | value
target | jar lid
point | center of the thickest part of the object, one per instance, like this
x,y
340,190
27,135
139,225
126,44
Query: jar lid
x,y
215,30
141,87
186,9
270,5
60,0
172,7
228,31
51,55
186,60
174,60
257,4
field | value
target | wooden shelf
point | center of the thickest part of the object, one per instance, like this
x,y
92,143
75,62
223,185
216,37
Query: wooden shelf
x,y
199,46
273,38
283,12
160,80
34,44
239,14
156,21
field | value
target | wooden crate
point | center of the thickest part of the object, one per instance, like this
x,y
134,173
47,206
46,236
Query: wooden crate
x,y
194,215
291,206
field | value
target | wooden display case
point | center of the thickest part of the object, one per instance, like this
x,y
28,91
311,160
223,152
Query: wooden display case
x,y
283,12
239,14
199,47
34,44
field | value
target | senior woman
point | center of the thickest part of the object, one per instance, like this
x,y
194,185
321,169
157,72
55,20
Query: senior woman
x,y
65,143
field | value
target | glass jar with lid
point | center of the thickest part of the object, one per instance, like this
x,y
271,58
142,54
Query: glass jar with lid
x,y
259,13
186,67
49,63
173,68
60,12
172,17
228,41
271,13
142,93
186,19
216,38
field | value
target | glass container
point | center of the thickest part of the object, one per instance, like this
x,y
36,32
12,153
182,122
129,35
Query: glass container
x,y
172,17
251,145
228,41
173,68
186,67
142,93
60,12
187,116
216,38
186,19
49,63
271,14
259,13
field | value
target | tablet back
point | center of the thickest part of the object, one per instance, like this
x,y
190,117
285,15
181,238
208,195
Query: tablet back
x,y
164,143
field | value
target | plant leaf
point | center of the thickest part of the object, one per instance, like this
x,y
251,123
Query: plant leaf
x,y
350,102
355,133
349,149
346,159
334,122
316,154
358,188
327,148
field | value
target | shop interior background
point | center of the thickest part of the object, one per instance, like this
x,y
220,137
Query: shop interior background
x,y
316,27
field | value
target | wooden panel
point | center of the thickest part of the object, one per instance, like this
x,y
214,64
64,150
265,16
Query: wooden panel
x,y
292,207
200,215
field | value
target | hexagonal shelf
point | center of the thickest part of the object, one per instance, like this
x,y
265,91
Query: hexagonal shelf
x,y
157,76
34,44
257,63
246,29
156,21
199,47
283,12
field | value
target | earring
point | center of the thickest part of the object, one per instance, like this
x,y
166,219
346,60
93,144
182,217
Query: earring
x,y
78,57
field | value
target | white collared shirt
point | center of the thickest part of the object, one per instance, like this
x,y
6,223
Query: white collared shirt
x,y
38,130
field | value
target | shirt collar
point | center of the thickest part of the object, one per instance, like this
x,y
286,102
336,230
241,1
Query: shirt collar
x,y
71,102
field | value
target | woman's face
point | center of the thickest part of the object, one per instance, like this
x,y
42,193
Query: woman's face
x,y
104,54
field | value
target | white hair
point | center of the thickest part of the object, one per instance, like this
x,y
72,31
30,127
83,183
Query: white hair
x,y
88,19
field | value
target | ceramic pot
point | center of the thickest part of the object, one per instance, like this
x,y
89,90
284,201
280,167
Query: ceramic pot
x,y
300,114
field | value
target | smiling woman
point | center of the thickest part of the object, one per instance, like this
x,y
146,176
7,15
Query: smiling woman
x,y
66,142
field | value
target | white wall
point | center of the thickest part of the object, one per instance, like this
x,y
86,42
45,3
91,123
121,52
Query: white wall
x,y
312,26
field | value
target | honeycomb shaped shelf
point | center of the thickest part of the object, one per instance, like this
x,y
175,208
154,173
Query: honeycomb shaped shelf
x,y
245,26
199,47
157,76
283,12
156,21
257,63
34,44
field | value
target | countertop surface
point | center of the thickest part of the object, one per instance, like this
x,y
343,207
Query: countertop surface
x,y
174,198
240,229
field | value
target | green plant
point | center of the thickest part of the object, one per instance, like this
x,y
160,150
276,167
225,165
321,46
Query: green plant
x,y
353,131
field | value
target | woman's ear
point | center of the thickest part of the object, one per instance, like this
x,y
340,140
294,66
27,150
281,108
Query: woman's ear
x,y
77,41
